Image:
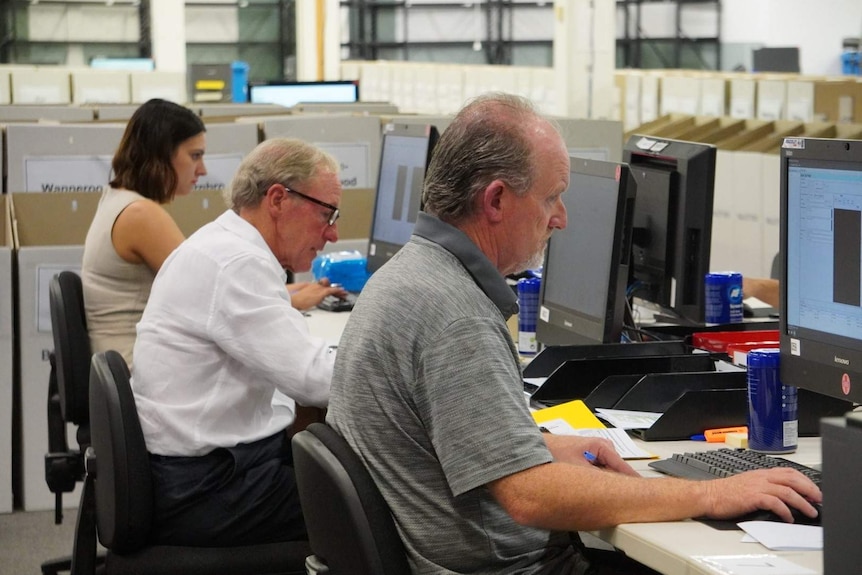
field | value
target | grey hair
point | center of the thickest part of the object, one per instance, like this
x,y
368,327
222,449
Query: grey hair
x,y
276,161
488,140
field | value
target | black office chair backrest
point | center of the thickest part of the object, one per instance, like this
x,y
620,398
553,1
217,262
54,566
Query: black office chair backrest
x,y
123,486
71,345
350,527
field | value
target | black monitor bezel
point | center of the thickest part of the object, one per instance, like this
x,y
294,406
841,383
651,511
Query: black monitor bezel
x,y
691,169
561,325
812,359
379,252
296,84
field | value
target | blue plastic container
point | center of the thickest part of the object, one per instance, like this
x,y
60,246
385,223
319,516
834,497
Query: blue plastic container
x,y
239,81
344,268
773,411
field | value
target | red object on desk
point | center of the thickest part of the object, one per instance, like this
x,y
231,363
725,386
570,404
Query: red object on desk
x,y
717,341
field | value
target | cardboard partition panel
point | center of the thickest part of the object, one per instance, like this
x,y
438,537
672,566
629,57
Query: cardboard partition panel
x,y
41,86
7,345
50,231
355,142
26,113
593,139
101,87
60,158
227,145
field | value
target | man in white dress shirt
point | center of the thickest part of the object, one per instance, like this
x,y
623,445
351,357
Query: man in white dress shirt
x,y
218,337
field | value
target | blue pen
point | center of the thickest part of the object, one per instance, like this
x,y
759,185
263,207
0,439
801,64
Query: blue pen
x,y
590,457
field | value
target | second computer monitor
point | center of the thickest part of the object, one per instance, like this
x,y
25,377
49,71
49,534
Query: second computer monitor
x,y
406,151
584,276
289,94
672,232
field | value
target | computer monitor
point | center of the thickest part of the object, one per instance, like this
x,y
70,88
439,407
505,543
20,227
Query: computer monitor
x,y
132,64
584,275
289,94
820,327
672,224
404,158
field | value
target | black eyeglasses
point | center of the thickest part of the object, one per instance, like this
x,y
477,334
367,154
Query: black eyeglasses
x,y
333,217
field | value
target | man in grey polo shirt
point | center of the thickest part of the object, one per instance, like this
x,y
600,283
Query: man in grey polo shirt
x,y
427,386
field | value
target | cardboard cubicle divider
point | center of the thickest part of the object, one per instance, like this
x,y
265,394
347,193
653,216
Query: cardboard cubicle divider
x,y
60,158
35,113
355,141
593,139
50,231
7,346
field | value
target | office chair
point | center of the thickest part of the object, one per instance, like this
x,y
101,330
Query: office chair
x,y
117,503
67,396
350,527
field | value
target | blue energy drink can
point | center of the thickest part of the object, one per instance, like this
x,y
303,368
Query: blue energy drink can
x,y
773,411
723,301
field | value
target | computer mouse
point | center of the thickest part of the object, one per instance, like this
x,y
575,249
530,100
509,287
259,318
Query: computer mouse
x,y
799,518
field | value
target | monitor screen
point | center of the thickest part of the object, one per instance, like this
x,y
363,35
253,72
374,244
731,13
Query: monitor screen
x,y
821,275
672,225
406,151
586,265
132,64
289,94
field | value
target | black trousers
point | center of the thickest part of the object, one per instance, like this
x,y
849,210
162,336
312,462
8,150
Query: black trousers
x,y
231,496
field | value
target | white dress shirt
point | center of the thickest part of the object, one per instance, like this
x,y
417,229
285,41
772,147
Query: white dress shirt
x,y
217,338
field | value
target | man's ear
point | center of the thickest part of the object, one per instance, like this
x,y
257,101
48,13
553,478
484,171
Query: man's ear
x,y
492,200
274,199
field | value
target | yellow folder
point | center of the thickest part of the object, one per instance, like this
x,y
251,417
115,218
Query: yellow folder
x,y
575,413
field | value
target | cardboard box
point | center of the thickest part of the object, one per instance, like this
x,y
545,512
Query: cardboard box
x,y
743,96
101,87
680,93
800,100
158,84
60,158
838,101
41,86
50,231
771,99
713,96
7,344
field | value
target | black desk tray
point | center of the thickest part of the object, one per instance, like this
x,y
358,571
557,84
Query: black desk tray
x,y
577,378
552,357
697,410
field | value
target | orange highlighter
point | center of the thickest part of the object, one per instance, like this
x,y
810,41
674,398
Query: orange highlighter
x,y
717,435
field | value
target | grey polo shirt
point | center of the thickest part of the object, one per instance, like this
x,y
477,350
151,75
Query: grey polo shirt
x,y
427,388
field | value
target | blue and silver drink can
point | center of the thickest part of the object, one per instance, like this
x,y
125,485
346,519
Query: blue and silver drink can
x,y
723,301
528,313
773,413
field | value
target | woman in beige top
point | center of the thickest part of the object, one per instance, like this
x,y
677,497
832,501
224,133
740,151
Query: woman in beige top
x,y
160,156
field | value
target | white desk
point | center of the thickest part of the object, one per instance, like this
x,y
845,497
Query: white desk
x,y
666,547
669,547
326,324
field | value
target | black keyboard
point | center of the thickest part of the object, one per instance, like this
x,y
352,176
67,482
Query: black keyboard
x,y
335,303
726,462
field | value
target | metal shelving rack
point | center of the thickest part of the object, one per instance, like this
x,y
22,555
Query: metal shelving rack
x,y
498,45
11,37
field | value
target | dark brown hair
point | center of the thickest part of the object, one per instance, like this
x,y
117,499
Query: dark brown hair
x,y
142,162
